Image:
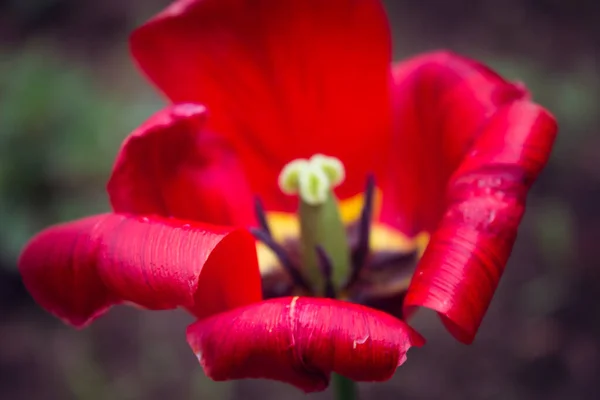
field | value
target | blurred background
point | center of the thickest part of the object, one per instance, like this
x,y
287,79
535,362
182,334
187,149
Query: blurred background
x,y
69,94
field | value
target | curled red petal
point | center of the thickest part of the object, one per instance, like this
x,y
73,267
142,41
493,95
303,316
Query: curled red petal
x,y
281,79
172,166
460,269
57,267
441,102
79,269
301,341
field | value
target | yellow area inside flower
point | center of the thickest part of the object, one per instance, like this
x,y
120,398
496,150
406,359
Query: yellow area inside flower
x,y
286,226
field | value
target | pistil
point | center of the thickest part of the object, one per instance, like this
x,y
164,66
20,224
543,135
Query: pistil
x,y
329,258
321,225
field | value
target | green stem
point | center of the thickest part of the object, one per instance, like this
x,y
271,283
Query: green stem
x,y
344,388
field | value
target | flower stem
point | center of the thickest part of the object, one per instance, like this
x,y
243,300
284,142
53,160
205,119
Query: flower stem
x,y
344,388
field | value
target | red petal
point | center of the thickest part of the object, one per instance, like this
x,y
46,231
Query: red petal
x,y
301,341
462,265
172,166
442,101
282,79
56,266
78,269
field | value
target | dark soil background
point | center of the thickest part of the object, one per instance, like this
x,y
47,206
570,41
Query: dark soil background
x,y
69,94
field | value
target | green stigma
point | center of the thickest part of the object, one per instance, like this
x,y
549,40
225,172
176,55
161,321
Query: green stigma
x,y
312,179
332,167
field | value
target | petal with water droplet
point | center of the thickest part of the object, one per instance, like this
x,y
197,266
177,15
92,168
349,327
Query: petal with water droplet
x,y
79,269
463,263
301,341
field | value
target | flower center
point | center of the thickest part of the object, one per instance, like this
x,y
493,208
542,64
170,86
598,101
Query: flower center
x,y
333,248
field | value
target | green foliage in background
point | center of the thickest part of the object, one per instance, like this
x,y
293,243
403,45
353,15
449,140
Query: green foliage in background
x,y
572,96
59,132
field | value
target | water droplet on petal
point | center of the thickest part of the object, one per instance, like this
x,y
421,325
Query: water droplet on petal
x,y
358,341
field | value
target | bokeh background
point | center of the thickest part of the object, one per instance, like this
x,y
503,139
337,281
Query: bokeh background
x,y
69,94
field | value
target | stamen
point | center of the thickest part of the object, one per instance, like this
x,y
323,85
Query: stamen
x,y
386,259
326,267
284,259
261,216
361,251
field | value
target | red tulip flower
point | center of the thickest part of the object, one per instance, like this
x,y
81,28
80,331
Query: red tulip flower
x,y
431,160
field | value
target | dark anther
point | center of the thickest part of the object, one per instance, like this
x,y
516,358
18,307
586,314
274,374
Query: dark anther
x,y
361,251
326,269
274,287
283,257
384,260
261,216
390,303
